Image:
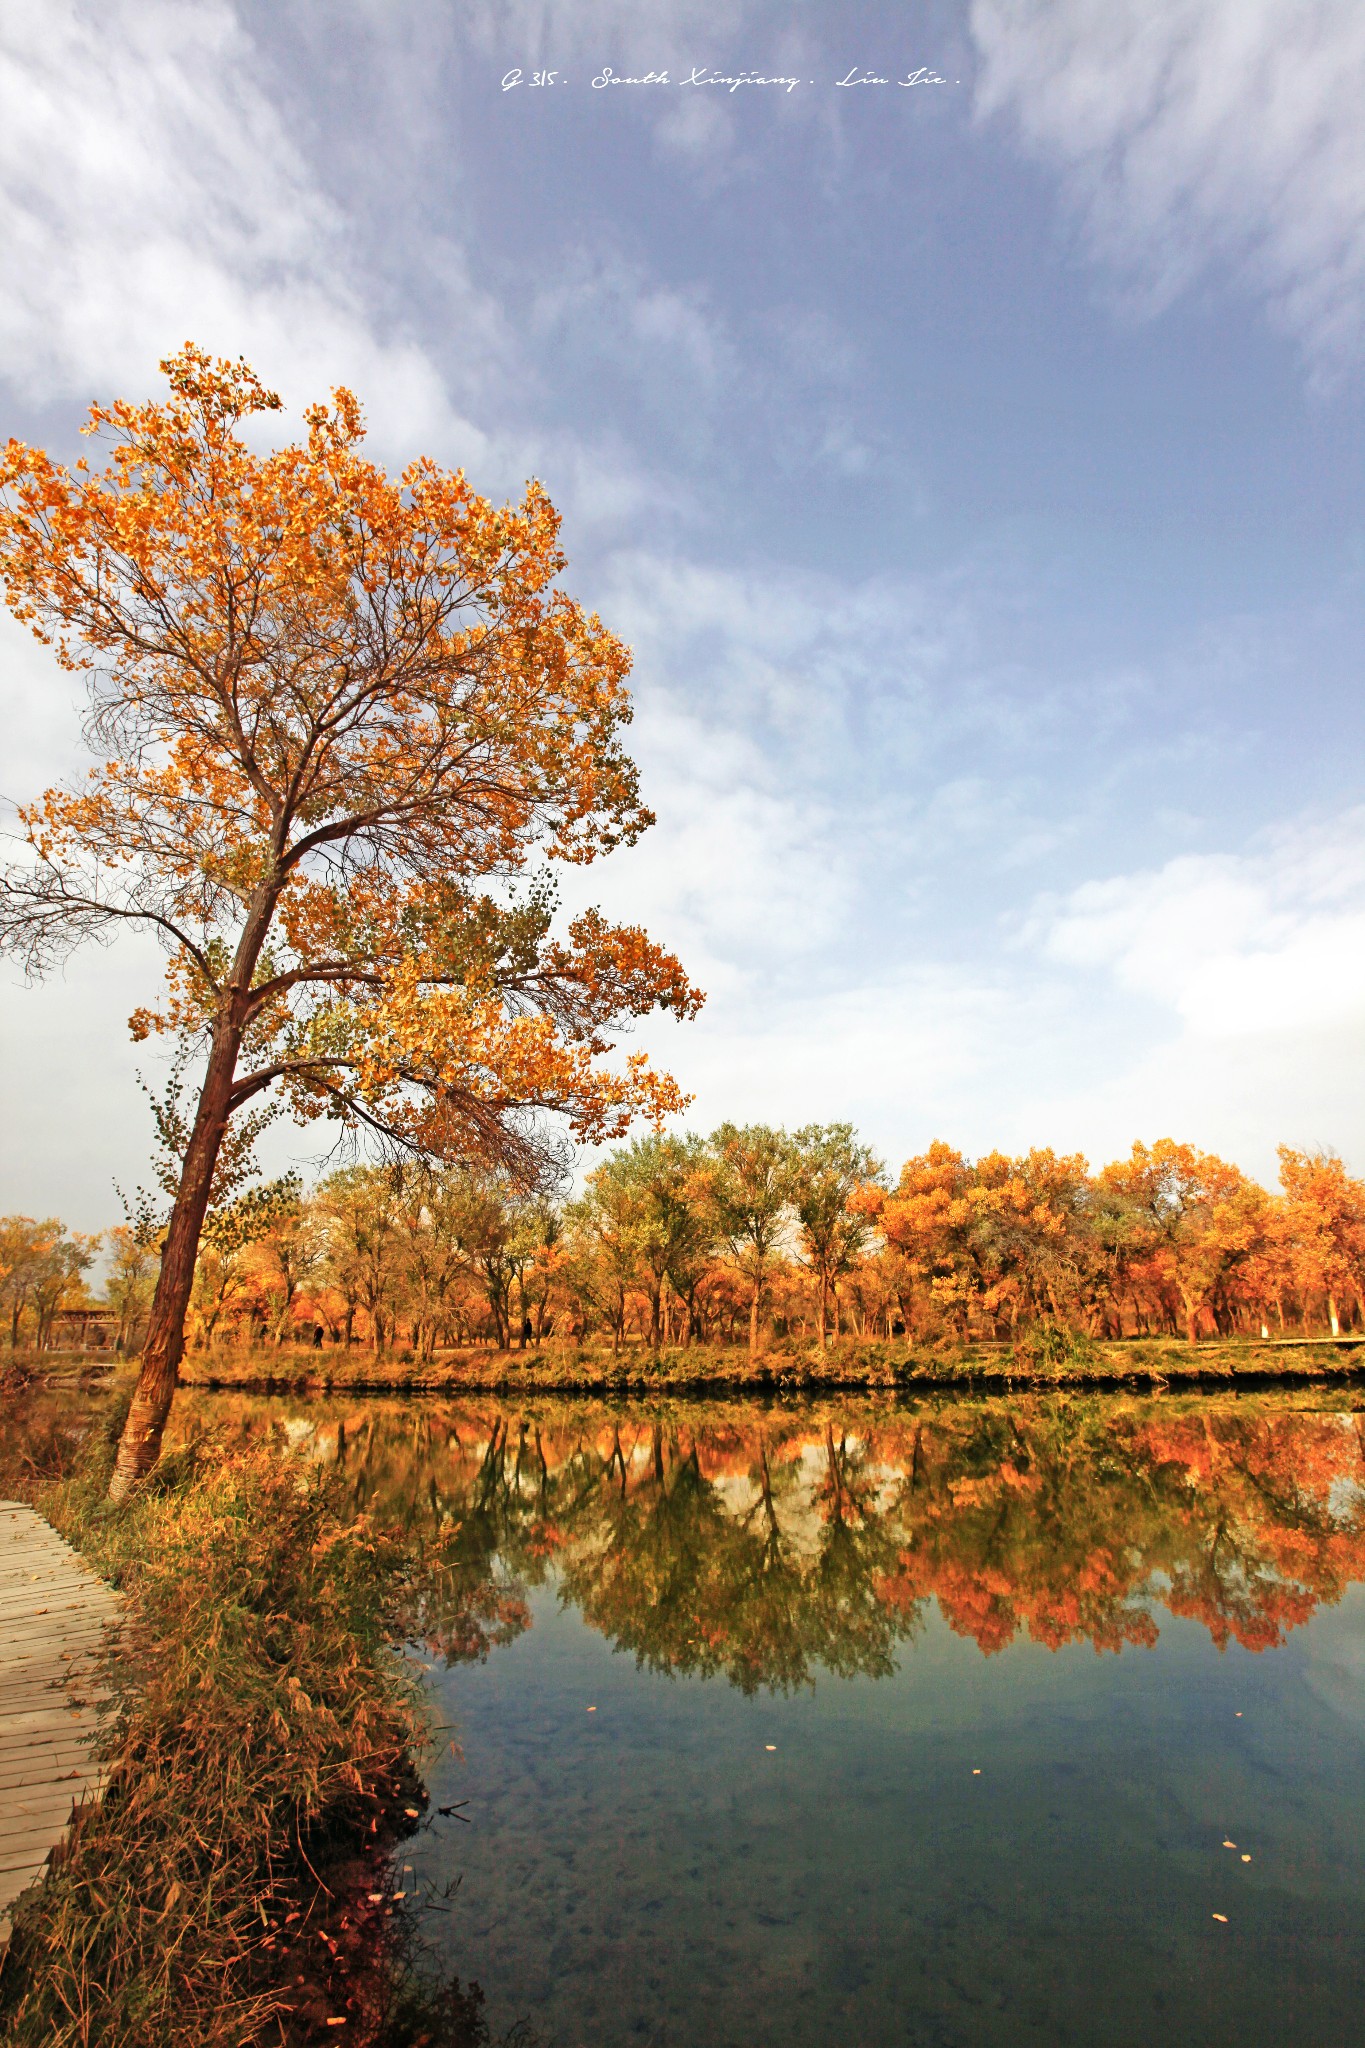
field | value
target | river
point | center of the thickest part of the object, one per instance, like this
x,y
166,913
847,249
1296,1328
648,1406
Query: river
x,y
951,1722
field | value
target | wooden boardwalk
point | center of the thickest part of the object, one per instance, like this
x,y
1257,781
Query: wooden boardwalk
x,y
53,1612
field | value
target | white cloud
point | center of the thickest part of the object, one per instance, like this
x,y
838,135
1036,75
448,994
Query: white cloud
x,y
40,710
1219,998
1199,133
1234,944
150,192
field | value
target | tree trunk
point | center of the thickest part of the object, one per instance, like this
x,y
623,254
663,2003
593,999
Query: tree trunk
x,y
140,1445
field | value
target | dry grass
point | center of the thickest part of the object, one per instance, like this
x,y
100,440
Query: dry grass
x,y
1042,1359
258,1744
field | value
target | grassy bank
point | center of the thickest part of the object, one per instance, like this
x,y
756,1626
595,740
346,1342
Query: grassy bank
x,y
234,1885
702,1368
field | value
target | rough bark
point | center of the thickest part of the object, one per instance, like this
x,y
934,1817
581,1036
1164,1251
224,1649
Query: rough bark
x,y
164,1346
140,1445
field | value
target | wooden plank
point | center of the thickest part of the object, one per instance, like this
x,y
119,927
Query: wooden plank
x,y
54,1612
58,1651
73,1769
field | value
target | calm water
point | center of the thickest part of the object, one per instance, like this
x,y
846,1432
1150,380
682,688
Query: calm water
x,y
890,1724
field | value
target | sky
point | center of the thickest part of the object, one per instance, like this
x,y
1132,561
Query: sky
x,y
973,464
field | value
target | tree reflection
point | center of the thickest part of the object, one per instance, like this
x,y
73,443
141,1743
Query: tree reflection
x,y
764,1545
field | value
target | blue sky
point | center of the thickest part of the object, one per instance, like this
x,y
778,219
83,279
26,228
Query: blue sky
x,y
973,466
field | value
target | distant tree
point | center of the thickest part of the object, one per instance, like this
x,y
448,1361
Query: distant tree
x,y
1326,1226
926,1220
130,1281
607,1225
25,1246
336,715
750,1186
489,1216
1204,1218
429,1212
358,1212
657,1190
58,1280
538,1250
41,1265
284,1260
829,1165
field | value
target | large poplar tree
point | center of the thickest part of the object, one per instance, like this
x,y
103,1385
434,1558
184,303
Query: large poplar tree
x,y
336,716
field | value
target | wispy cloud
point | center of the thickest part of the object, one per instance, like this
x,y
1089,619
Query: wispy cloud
x,y
150,190
1199,134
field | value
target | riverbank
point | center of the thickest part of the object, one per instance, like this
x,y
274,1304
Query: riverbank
x,y
234,1885
714,1369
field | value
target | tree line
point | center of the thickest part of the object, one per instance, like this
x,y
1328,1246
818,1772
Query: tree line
x,y
751,1235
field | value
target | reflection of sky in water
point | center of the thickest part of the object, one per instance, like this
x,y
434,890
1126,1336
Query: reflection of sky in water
x,y
970,1827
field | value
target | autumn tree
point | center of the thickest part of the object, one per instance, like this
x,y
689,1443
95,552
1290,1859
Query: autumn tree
x,y
654,1188
926,1220
607,1225
430,1213
26,1247
489,1227
41,1265
1031,1239
750,1187
538,1251
1326,1226
1203,1217
130,1280
58,1280
337,715
829,1167
231,1231
360,1220
284,1260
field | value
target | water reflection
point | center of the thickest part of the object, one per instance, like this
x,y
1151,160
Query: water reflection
x,y
764,1544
